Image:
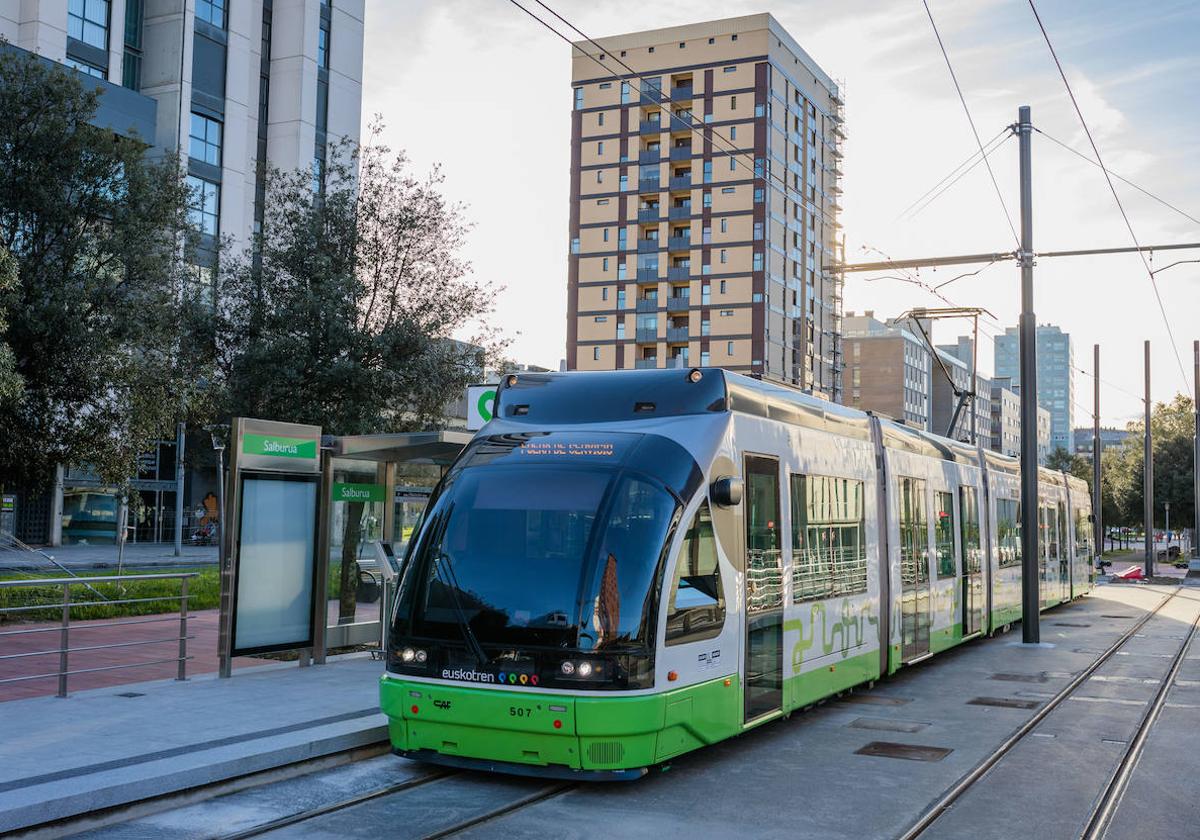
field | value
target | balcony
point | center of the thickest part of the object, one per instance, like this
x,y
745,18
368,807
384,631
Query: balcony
x,y
681,182
650,95
649,214
677,335
646,275
647,334
650,156
678,303
681,123
649,185
681,153
647,245
679,243
681,93
679,272
645,364
649,127
680,212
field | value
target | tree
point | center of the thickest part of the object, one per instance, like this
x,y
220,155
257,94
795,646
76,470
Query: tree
x,y
1172,427
342,312
11,385
95,229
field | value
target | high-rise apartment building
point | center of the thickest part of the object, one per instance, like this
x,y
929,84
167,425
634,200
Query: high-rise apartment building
x,y
1055,383
704,200
235,86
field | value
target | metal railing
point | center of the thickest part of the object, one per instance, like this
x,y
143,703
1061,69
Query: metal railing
x,y
63,628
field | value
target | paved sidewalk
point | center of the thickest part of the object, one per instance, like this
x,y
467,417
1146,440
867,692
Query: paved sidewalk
x,y
107,747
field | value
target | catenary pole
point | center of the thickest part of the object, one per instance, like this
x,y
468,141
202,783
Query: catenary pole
x,y
1097,496
1030,595
1148,477
1196,456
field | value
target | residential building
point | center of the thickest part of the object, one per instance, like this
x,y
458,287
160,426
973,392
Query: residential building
x,y
888,369
1006,418
1055,383
958,359
704,201
1110,438
1044,421
234,86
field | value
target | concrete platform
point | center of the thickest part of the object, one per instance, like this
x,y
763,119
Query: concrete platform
x,y
113,746
807,777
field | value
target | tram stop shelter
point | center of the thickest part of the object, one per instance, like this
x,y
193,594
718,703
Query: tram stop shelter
x,y
374,489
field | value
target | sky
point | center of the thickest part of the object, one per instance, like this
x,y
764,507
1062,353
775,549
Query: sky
x,y
480,89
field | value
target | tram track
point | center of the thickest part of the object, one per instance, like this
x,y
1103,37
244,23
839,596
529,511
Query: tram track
x,y
1109,797
472,821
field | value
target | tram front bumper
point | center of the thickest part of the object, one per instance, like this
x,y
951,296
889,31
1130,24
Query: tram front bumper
x,y
521,727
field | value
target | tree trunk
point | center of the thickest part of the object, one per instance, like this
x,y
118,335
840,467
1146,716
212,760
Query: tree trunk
x,y
349,577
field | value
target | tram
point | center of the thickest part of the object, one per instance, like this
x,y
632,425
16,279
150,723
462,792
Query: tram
x,y
625,566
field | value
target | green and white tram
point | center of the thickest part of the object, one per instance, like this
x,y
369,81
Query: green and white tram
x,y
625,566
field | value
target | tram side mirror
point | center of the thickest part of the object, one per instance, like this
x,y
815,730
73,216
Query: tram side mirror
x,y
727,491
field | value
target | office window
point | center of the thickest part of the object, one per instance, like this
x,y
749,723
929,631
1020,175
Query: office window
x,y
724,225
604,263
732,68
575,245
87,21
605,85
758,262
204,205
733,103
595,354
728,348
723,287
323,47
601,319
733,132
600,119
724,256
599,176
652,49
758,195
708,171
606,234
205,140
625,95
732,163
707,202
212,11
84,67
600,202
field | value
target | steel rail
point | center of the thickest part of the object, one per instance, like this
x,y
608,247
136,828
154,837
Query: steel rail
x,y
349,802
1110,798
967,781
479,819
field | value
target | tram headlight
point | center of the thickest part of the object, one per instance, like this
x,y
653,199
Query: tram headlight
x,y
421,657
408,655
585,669
568,668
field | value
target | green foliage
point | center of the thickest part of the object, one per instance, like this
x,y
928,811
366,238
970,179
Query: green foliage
x,y
1172,427
204,593
1077,465
11,385
343,312
96,229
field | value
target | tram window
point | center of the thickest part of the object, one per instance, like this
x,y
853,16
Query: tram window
x,y
1008,532
829,552
1083,535
943,534
969,512
696,609
914,532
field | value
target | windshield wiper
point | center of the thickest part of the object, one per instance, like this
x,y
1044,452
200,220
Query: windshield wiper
x,y
450,579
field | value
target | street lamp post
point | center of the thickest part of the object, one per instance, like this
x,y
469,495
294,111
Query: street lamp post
x,y
218,433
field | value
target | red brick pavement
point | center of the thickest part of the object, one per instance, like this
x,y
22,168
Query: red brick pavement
x,y
203,650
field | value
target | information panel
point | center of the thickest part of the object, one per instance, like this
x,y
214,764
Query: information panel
x,y
273,606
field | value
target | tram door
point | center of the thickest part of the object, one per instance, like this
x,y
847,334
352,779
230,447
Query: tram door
x,y
1044,514
972,552
1064,554
914,570
764,589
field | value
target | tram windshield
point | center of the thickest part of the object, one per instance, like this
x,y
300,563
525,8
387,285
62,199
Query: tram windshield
x,y
548,554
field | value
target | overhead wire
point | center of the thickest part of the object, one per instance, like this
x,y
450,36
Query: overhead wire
x,y
1117,198
954,77
994,145
969,161
1120,178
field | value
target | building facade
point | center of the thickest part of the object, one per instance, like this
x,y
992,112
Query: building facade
x,y
1055,383
705,173
1110,438
957,359
234,86
888,370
